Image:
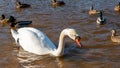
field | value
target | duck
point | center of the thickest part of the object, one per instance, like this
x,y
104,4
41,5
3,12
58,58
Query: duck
x,y
92,11
19,24
57,3
101,20
35,41
114,37
21,5
117,7
3,19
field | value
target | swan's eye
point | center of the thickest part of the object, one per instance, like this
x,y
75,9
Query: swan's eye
x,y
72,35
77,37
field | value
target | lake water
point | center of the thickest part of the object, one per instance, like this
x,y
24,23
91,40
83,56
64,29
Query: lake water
x,y
98,50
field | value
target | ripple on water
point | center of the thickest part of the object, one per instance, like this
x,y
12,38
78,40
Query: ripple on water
x,y
98,50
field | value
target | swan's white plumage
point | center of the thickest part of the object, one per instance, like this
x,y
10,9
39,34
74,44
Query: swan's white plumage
x,y
35,41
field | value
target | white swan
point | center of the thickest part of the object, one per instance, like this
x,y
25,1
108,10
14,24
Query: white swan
x,y
35,41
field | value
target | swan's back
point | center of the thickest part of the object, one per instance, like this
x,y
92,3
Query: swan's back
x,y
35,41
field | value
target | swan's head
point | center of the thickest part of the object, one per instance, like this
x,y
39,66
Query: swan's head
x,y
73,35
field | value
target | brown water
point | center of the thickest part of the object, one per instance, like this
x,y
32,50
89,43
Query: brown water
x,y
98,50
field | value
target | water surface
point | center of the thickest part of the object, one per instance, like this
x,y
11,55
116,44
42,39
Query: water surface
x,y
98,50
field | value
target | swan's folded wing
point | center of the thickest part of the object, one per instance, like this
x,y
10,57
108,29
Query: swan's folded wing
x,y
36,40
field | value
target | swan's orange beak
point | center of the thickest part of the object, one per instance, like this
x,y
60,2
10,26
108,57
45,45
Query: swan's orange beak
x,y
77,39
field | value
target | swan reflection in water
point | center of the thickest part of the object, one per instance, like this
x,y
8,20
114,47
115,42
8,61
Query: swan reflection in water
x,y
28,60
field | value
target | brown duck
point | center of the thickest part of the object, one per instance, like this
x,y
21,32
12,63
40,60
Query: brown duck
x,y
92,11
3,19
57,3
114,37
117,7
22,5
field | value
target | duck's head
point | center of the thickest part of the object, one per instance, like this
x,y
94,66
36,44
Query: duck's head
x,y
100,13
119,4
12,21
113,31
73,35
3,20
2,16
53,1
18,3
91,8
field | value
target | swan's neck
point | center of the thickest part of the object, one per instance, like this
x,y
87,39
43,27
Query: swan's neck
x,y
60,49
14,34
